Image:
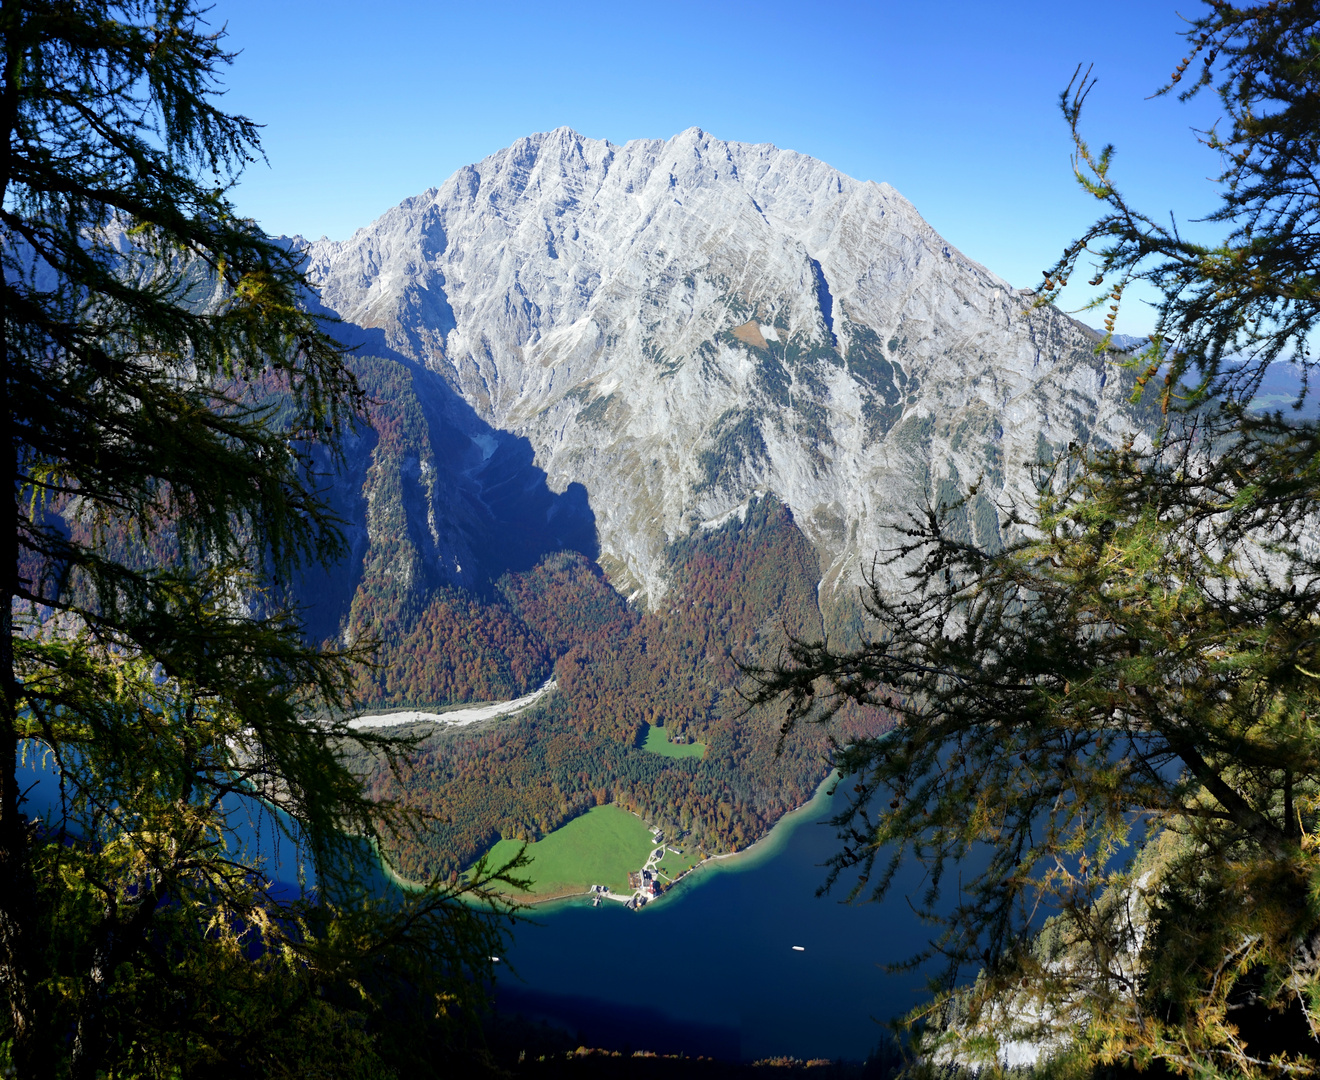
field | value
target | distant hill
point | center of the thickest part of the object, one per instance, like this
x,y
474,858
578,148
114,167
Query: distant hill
x,y
1129,342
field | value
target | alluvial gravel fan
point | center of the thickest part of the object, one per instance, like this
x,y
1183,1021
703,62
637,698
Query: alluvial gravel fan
x,y
596,352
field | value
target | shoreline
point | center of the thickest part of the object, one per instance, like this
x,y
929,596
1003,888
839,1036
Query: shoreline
x,y
731,861
759,850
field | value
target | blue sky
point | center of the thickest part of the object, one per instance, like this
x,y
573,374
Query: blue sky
x,y
953,103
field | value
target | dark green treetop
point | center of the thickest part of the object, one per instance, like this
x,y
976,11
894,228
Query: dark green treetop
x,y
168,402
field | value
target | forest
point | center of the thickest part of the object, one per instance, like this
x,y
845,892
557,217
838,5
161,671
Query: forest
x,y
737,591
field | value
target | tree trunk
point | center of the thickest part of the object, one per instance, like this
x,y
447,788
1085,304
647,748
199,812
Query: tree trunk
x,y
20,957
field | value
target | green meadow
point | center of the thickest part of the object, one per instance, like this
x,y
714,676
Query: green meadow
x,y
657,742
597,848
672,865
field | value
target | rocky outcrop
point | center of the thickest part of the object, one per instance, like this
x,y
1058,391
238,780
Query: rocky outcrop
x,y
679,326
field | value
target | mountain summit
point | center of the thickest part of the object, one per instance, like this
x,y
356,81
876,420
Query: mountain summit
x,y
681,326
699,375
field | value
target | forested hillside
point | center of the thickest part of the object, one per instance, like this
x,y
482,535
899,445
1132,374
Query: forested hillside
x,y
737,589
436,532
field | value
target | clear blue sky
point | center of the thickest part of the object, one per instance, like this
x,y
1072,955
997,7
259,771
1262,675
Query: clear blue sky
x,y
953,103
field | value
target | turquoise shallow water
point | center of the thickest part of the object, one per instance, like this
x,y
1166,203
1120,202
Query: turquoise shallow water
x,y
711,969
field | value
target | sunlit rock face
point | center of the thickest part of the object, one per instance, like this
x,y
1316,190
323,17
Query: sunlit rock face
x,y
681,325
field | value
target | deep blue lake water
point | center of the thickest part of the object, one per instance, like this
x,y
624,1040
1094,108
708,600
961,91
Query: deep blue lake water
x,y
707,969
710,968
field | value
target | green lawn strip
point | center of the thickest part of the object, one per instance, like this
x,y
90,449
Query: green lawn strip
x,y
597,848
657,742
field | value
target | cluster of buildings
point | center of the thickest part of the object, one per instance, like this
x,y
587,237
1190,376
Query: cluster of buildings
x,y
645,884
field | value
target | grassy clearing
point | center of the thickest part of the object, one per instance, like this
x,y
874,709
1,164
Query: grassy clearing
x,y
672,865
657,742
597,848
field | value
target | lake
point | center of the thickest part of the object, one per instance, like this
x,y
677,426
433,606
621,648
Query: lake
x,y
710,968
707,969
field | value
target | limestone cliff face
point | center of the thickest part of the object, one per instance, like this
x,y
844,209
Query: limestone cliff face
x,y
681,325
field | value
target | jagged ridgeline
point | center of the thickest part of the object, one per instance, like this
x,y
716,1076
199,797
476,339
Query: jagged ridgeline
x,y
639,411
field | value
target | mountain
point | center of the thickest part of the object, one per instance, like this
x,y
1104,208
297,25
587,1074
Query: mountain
x,y
639,411
678,326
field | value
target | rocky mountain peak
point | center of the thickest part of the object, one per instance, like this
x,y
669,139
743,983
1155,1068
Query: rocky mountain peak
x,y
681,325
